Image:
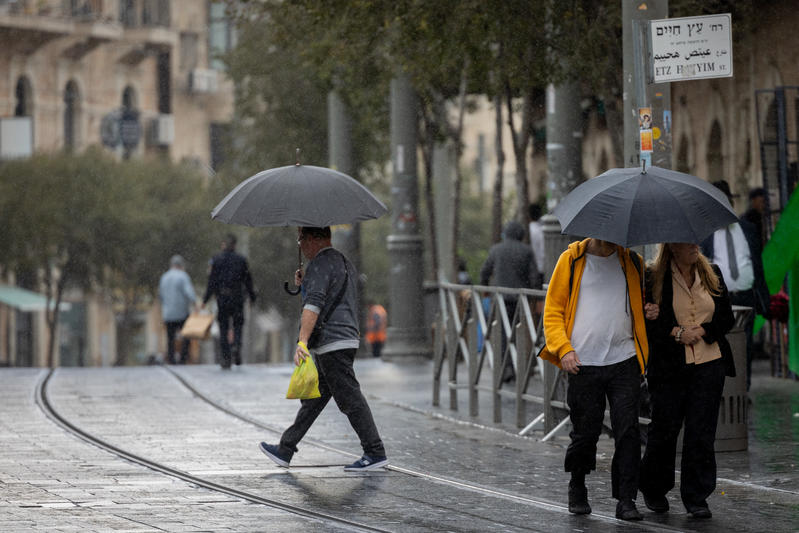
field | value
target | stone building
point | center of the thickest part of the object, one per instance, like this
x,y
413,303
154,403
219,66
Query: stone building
x,y
141,77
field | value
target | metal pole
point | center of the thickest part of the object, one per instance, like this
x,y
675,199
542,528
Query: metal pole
x,y
347,237
407,335
638,93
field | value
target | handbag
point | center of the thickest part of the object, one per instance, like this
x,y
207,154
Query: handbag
x,y
197,326
304,384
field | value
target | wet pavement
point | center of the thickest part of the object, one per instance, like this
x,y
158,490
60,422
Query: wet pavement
x,y
450,472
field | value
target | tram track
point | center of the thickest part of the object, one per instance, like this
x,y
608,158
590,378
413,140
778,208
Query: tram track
x,y
431,477
43,402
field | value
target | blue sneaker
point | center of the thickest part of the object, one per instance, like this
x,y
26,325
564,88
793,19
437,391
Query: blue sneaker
x,y
367,462
271,451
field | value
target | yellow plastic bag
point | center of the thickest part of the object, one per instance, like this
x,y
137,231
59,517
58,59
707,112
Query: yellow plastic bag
x,y
304,384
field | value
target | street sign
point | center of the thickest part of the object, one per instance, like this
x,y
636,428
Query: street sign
x,y
690,48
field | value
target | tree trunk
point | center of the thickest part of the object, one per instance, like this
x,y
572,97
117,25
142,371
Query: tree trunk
x,y
496,197
521,140
52,314
456,189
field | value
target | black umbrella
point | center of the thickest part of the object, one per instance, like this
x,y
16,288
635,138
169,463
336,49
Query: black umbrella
x,y
298,195
631,207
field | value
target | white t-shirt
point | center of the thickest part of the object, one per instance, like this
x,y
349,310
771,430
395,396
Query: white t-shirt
x,y
603,333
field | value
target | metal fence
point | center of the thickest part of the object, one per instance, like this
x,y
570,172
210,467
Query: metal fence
x,y
470,334
486,338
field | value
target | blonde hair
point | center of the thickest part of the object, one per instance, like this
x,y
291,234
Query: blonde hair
x,y
662,264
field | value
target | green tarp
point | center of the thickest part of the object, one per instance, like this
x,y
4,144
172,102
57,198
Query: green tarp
x,y
781,259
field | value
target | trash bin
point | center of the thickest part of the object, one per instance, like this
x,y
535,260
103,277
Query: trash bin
x,y
731,434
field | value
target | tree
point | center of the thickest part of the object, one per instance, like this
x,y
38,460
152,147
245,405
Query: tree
x,y
90,222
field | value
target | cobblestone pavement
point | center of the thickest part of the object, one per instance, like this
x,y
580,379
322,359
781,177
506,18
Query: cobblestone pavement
x,y
52,481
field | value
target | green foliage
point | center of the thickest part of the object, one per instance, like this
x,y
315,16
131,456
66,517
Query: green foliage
x,y
92,222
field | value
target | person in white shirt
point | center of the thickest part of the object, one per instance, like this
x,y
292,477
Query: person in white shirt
x,y
736,251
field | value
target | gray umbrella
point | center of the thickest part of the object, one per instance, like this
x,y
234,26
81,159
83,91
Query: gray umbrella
x,y
298,195
631,207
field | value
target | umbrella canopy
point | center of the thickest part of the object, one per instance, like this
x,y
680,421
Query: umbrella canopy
x,y
298,195
631,207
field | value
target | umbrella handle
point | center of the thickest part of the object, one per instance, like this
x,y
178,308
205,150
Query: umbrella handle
x,y
293,292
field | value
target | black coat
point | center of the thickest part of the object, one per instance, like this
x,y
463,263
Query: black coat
x,y
667,357
229,277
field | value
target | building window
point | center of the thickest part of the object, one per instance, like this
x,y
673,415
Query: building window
x,y
682,156
24,94
220,144
188,51
164,82
71,112
127,13
715,159
221,34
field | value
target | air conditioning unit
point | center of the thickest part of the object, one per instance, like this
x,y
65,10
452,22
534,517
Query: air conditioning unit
x,y
162,130
202,80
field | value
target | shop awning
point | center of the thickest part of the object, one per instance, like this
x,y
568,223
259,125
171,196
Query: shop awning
x,y
25,300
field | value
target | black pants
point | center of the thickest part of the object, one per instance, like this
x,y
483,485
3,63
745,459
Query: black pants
x,y
746,298
172,329
693,397
336,380
620,384
225,316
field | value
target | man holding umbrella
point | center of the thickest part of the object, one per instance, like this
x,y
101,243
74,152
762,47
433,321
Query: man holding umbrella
x,y
594,328
329,330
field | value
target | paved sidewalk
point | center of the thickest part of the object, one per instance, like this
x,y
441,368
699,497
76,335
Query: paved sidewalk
x,y
51,481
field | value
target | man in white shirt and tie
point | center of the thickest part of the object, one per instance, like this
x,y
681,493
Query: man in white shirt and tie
x,y
736,250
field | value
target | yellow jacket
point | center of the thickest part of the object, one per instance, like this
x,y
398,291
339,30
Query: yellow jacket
x,y
561,302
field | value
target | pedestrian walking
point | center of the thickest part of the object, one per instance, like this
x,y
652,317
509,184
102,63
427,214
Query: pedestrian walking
x,y
376,323
736,250
594,328
227,281
329,334
177,297
689,359
510,263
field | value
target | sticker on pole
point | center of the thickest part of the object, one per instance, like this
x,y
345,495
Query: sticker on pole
x,y
690,48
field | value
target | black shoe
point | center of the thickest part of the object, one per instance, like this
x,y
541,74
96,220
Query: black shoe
x,y
699,511
658,504
236,356
578,498
273,452
626,510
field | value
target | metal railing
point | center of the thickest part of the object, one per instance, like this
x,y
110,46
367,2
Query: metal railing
x,y
467,334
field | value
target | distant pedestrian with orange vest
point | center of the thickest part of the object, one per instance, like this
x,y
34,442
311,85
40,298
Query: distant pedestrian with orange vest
x,y
376,322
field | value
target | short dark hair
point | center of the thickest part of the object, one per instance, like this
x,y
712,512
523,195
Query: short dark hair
x,y
757,191
535,211
230,240
315,233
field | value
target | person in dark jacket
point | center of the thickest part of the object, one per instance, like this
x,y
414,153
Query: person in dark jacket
x,y
736,250
329,334
229,278
688,359
510,263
